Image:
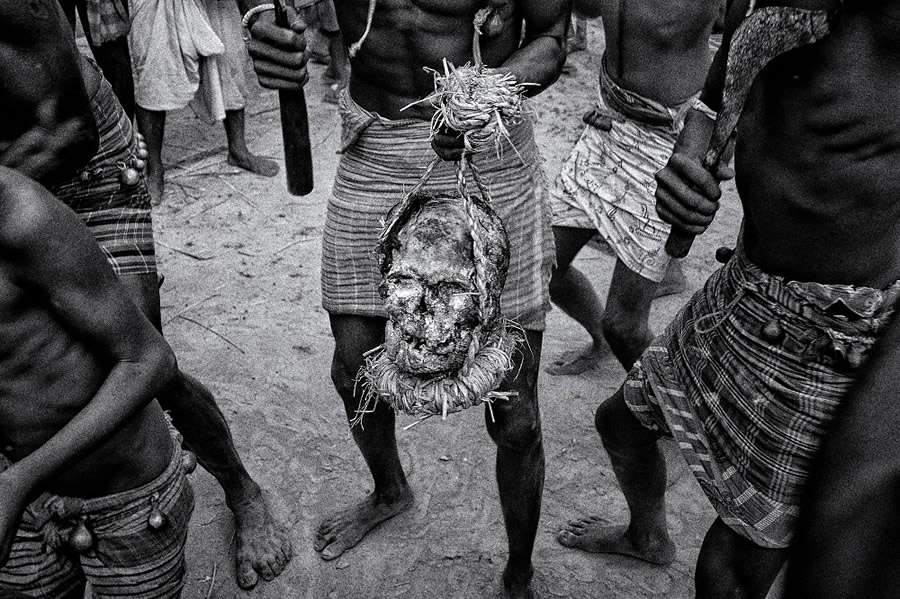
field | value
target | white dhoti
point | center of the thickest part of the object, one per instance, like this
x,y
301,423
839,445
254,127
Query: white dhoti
x,y
608,181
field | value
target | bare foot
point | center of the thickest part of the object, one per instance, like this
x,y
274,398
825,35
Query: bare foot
x,y
155,185
578,361
254,164
341,531
674,282
596,535
517,587
263,544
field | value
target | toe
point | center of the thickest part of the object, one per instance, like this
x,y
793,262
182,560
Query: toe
x,y
265,570
331,552
579,523
278,563
566,537
246,576
322,541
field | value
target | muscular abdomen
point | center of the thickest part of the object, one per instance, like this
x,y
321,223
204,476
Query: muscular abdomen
x,y
46,379
389,71
817,155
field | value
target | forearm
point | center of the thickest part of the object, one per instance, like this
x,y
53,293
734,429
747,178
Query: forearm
x,y
694,138
53,152
539,62
128,388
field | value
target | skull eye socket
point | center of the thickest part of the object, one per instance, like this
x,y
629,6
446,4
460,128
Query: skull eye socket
x,y
402,281
453,288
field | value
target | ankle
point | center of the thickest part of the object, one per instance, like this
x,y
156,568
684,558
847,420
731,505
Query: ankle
x,y
517,575
242,493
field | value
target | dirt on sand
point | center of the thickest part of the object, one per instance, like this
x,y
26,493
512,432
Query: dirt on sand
x,y
241,308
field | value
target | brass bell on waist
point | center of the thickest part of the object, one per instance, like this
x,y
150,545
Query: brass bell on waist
x,y
129,177
772,331
724,254
81,538
156,519
188,461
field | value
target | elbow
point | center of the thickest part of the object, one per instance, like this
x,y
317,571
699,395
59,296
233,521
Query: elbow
x,y
164,365
558,61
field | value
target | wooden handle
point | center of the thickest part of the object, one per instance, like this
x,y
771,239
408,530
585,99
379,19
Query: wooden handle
x,y
679,243
294,130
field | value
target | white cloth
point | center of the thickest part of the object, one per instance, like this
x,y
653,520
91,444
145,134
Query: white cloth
x,y
608,183
188,51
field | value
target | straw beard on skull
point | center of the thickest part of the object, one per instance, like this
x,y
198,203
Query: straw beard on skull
x,y
429,287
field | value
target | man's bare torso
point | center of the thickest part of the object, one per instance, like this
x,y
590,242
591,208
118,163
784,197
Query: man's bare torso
x,y
659,48
818,154
389,72
31,63
46,378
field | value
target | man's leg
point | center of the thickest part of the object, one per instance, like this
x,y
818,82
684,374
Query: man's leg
x,y
263,545
515,426
573,292
114,59
238,153
675,280
354,336
152,125
731,566
641,471
626,318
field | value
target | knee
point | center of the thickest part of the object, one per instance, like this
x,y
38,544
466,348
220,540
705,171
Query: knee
x,y
514,425
714,577
618,428
556,281
344,375
621,328
604,420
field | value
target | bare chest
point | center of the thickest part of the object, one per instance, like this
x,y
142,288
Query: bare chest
x,y
840,93
403,15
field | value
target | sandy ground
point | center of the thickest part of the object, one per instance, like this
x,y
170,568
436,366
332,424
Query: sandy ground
x,y
241,307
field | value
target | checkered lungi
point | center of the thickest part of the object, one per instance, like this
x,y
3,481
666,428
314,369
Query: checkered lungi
x,y
382,160
117,215
748,408
128,558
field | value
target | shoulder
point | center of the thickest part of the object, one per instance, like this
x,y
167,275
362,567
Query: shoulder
x,y
28,212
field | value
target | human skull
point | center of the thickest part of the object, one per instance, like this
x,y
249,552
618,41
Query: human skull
x,y
429,287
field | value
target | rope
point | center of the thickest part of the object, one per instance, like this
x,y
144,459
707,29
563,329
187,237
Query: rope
x,y
477,243
355,46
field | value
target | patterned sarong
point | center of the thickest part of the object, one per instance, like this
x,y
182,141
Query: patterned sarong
x,y
127,559
608,182
118,215
108,20
747,400
382,160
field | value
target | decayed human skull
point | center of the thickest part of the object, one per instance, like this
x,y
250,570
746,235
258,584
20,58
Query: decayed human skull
x,y
429,287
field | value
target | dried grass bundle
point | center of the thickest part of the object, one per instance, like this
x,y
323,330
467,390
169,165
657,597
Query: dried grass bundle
x,y
477,101
474,383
